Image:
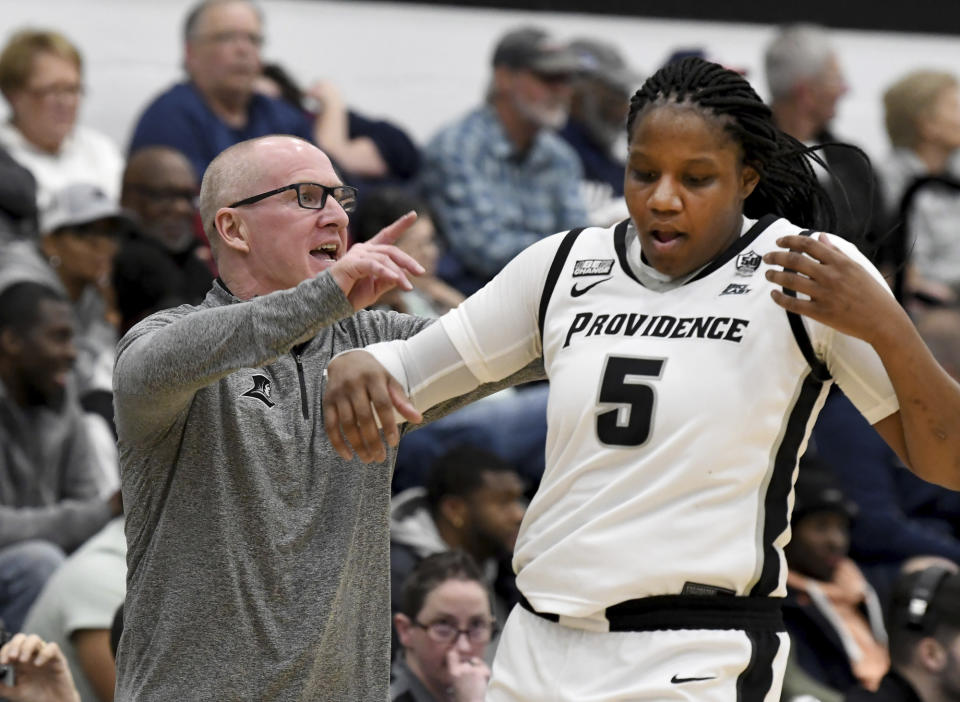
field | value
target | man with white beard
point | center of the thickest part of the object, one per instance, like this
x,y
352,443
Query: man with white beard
x,y
500,179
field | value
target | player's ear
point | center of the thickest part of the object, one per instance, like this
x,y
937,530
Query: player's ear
x,y
749,179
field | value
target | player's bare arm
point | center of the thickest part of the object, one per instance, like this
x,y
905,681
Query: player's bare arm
x,y
357,385
844,296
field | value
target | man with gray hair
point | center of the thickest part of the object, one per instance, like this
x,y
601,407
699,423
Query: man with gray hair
x,y
258,559
806,83
805,80
217,106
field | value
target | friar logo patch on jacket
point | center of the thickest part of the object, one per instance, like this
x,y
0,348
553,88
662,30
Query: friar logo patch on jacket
x,y
260,390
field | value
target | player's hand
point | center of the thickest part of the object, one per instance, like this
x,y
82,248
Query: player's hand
x,y
372,268
41,671
843,295
358,386
470,677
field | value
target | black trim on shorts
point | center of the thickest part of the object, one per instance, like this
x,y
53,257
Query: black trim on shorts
x,y
674,612
554,274
775,505
799,329
755,681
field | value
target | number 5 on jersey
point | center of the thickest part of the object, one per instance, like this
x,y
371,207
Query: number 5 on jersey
x,y
625,384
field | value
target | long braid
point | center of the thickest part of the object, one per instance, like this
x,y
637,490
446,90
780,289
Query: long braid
x,y
788,185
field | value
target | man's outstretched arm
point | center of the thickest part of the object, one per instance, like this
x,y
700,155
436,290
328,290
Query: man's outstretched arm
x,y
164,360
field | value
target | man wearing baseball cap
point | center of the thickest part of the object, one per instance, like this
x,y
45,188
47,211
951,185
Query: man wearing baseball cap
x,y
500,178
80,231
597,128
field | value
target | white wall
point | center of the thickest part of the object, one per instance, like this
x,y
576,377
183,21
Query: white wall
x,y
423,65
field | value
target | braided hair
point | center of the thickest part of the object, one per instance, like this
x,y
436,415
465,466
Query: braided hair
x,y
788,185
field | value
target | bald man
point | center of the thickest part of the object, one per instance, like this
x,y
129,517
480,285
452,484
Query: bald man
x,y
160,188
258,559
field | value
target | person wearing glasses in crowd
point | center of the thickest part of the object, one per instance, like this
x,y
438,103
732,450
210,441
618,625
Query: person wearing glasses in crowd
x,y
218,106
160,188
444,625
41,77
275,550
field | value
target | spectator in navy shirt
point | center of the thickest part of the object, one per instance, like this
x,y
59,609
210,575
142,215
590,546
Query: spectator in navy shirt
x,y
217,106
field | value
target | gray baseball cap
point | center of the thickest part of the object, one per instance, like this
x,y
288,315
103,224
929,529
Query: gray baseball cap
x,y
79,204
604,62
532,49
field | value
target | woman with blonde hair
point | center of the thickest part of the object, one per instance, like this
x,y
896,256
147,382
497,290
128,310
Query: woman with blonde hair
x,y
41,77
922,114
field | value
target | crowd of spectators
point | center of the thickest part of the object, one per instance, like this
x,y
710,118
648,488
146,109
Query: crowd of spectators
x,y
91,243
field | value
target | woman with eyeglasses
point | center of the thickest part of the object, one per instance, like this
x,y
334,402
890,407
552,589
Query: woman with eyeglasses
x,y
444,625
41,77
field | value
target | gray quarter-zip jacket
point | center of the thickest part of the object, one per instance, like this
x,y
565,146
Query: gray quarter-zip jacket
x,y
258,559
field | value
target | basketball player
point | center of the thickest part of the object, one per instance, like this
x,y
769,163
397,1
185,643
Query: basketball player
x,y
681,396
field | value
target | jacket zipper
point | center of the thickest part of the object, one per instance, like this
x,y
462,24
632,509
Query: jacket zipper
x,y
303,386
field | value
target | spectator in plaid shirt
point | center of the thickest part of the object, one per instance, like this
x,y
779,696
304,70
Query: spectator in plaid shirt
x,y
500,178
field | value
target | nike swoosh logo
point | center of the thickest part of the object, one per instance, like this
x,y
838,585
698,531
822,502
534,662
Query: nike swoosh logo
x,y
577,292
676,679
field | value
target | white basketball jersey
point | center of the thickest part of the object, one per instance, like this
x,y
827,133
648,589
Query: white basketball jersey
x,y
676,414
675,422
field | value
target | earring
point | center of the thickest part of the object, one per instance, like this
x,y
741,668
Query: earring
x,y
54,261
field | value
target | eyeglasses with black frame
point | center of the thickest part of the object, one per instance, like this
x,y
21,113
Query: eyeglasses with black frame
x,y
445,632
311,196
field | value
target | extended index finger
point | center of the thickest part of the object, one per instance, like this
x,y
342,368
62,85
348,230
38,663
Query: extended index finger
x,y
392,254
390,233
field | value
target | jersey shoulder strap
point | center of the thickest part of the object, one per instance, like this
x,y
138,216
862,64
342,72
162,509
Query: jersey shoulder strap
x,y
799,329
553,275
